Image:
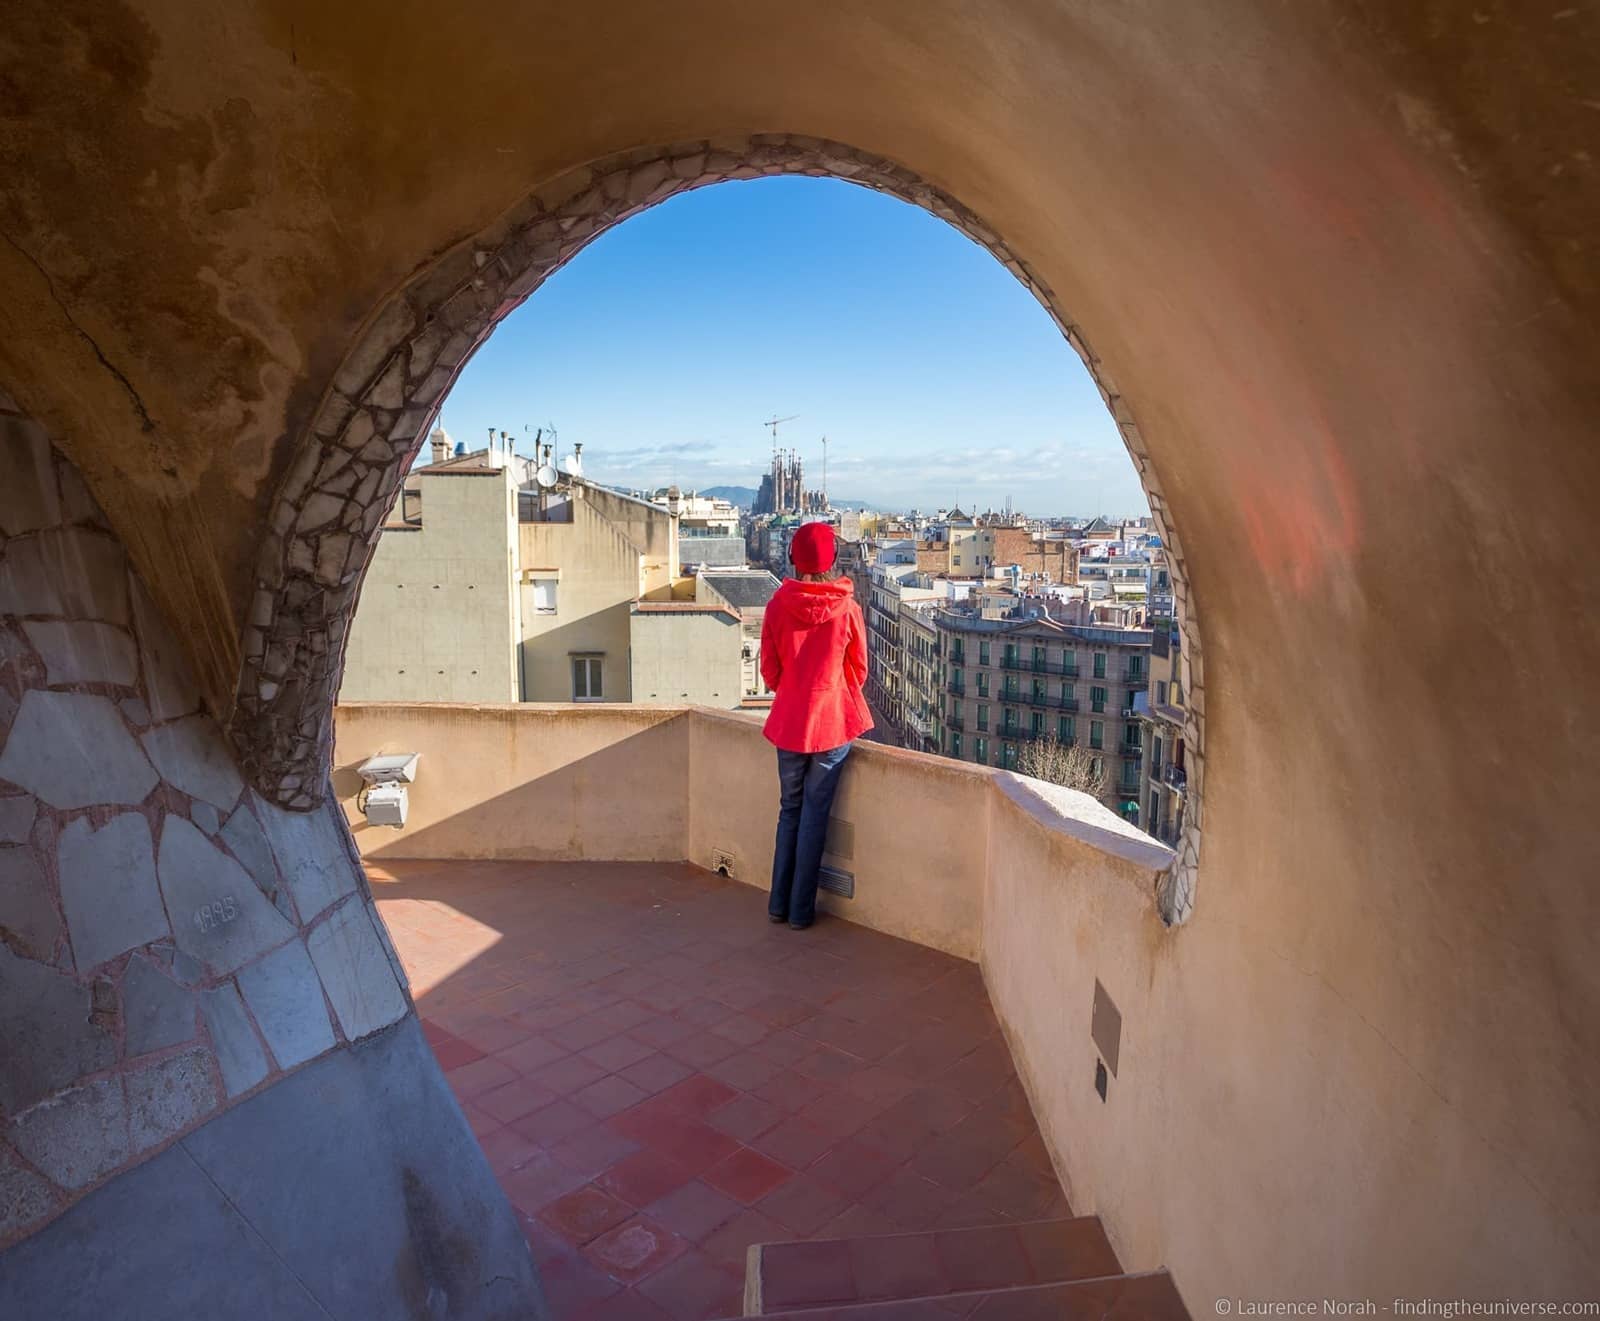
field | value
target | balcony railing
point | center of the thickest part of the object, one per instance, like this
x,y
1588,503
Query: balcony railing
x,y
1021,732
1137,677
1175,777
956,687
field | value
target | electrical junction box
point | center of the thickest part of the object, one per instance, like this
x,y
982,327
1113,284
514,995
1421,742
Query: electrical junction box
x,y
383,801
386,805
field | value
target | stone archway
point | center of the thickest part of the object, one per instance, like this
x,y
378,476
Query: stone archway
x,y
350,460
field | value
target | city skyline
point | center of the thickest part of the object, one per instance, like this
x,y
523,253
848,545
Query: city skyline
x,y
666,345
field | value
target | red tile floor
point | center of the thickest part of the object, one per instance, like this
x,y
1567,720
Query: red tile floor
x,y
660,1077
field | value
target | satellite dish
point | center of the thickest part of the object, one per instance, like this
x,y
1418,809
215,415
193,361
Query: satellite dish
x,y
572,465
546,477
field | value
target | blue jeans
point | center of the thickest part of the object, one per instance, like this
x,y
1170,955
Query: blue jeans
x,y
806,785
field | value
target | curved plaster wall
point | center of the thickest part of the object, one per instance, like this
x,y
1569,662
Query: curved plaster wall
x,y
171,944
1340,257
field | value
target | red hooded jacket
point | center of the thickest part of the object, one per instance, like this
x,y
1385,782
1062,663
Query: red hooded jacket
x,y
814,657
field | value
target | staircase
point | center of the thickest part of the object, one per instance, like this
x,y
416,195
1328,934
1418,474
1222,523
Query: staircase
x,y
1055,1269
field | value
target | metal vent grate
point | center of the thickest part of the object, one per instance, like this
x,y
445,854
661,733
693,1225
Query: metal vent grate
x,y
834,881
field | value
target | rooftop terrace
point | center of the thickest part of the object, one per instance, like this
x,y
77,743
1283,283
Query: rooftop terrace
x,y
660,1078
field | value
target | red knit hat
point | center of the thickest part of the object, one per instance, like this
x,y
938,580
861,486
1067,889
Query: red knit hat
x,y
813,549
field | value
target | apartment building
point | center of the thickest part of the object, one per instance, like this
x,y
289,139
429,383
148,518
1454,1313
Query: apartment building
x,y
887,586
710,531
1007,681
747,594
440,617
489,587
919,669
1163,780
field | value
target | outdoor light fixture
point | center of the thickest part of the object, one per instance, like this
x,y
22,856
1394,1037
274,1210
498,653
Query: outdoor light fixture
x,y
382,799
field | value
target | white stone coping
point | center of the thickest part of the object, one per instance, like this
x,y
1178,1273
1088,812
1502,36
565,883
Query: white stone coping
x,y
1085,819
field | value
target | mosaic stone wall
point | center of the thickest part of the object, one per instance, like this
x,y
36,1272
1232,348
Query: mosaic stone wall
x,y
353,456
170,941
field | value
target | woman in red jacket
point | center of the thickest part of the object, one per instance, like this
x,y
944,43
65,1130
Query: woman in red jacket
x,y
814,658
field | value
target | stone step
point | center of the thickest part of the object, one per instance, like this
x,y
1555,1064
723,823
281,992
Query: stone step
x,y
872,1268
1151,1297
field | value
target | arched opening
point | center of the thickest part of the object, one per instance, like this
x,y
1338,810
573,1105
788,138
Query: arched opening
x,y
370,426
1336,253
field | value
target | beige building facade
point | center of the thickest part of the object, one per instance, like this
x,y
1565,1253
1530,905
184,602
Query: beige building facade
x,y
440,617
484,592
578,581
681,651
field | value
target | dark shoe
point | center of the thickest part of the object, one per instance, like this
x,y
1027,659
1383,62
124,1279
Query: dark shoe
x,y
776,917
794,926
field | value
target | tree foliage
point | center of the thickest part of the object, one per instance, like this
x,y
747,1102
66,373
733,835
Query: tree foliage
x,y
1068,764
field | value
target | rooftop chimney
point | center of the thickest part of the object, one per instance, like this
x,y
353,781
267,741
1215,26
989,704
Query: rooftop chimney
x,y
438,445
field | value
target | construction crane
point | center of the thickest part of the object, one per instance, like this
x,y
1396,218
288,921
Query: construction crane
x,y
775,423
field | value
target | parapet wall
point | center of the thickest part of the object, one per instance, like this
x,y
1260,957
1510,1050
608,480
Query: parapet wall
x,y
171,945
1257,1135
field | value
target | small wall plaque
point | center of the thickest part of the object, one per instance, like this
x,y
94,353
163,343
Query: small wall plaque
x,y
1105,1026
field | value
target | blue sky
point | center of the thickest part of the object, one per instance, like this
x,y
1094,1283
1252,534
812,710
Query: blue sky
x,y
935,376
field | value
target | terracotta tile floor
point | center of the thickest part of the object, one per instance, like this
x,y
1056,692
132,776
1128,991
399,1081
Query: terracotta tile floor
x,y
660,1077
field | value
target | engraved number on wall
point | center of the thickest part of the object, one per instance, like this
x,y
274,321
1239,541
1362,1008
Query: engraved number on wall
x,y
210,916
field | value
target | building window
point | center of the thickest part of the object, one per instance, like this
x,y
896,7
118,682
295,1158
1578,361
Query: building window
x,y
980,749
1161,692
1097,734
1097,698
544,596
983,718
588,684
1099,665
1064,728
983,653
956,560
983,683
1036,723
955,745
1069,662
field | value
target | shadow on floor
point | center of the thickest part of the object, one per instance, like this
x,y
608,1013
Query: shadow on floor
x,y
660,1077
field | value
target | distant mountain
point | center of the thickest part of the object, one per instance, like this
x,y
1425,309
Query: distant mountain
x,y
743,496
